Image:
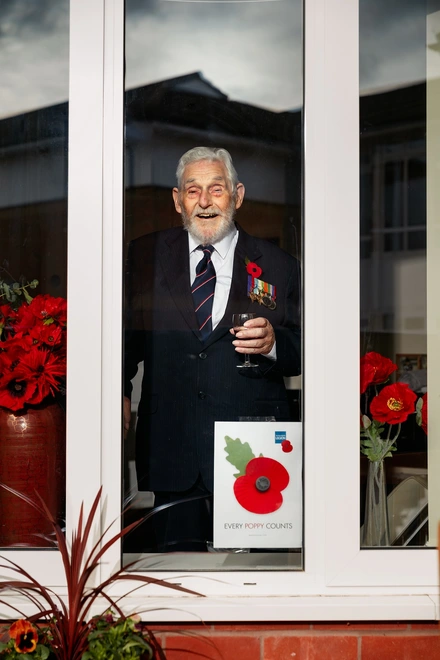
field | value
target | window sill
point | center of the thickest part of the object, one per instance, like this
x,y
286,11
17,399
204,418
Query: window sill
x,y
293,608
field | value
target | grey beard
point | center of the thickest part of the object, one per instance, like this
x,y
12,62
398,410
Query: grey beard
x,y
204,238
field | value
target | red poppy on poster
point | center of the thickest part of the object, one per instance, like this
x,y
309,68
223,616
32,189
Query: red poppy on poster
x,y
257,485
259,491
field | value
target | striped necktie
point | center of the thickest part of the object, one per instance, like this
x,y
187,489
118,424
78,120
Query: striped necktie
x,y
203,291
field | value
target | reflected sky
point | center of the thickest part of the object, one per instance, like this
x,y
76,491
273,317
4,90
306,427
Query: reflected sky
x,y
251,51
34,54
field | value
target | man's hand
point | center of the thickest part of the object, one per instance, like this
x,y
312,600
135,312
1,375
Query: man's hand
x,y
127,413
256,336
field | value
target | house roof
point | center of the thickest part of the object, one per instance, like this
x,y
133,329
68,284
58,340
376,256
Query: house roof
x,y
192,101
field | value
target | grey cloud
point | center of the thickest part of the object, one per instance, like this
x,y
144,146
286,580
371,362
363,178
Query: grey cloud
x,y
392,43
18,17
34,54
251,51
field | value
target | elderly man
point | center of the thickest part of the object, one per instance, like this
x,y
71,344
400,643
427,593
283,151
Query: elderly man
x,y
183,286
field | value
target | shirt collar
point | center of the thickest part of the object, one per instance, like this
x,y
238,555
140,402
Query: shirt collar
x,y
222,247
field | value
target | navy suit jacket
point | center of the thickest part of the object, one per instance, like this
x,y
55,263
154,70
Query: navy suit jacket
x,y
187,384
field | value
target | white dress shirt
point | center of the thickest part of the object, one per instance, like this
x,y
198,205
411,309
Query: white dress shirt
x,y
223,262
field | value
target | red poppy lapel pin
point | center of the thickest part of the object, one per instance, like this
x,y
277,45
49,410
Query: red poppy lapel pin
x,y
258,290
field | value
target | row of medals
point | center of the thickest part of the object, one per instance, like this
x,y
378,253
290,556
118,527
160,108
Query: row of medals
x,y
263,299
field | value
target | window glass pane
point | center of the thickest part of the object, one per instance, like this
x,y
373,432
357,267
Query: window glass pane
x,y
220,75
34,51
395,307
393,189
417,240
416,191
393,242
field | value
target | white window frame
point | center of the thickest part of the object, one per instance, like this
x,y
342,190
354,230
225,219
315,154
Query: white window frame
x,y
339,581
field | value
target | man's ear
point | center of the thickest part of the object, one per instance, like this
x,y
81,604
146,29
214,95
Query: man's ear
x,y
176,198
240,195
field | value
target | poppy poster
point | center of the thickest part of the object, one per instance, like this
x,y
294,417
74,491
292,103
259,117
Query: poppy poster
x,y
258,485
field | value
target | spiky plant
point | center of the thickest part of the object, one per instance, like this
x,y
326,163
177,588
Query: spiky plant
x,y
69,621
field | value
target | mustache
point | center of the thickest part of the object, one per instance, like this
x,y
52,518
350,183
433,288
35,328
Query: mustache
x,y
212,209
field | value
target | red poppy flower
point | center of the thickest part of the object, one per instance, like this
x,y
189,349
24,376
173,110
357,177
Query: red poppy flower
x,y
10,354
49,335
393,404
375,369
286,446
28,377
23,321
48,309
7,314
16,344
259,491
253,269
17,387
367,375
25,636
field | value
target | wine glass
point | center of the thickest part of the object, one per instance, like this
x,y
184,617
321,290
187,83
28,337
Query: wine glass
x,y
238,320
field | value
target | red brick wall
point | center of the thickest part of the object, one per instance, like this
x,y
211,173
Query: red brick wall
x,y
301,641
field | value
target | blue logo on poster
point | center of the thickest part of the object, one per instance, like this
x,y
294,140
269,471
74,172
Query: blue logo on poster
x,y
280,436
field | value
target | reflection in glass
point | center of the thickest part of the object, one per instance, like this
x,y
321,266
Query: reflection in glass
x,y
244,95
416,192
394,485
33,264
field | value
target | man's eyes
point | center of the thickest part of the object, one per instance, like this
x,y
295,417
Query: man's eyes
x,y
216,190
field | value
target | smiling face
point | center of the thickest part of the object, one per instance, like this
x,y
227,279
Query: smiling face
x,y
206,201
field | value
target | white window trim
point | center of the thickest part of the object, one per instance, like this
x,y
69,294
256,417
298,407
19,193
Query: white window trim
x,y
85,254
339,582
85,214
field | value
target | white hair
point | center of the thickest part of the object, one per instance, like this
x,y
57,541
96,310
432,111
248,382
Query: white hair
x,y
210,154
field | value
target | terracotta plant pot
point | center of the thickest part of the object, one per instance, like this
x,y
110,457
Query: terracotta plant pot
x,y
32,459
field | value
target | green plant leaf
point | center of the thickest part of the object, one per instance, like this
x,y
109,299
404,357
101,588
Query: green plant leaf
x,y
28,298
7,292
43,651
366,421
239,454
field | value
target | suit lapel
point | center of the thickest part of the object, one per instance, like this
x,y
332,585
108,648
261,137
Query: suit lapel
x,y
174,257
